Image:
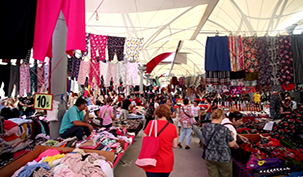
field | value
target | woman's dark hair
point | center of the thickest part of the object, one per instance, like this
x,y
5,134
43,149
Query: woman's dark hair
x,y
80,101
197,102
108,100
236,114
185,101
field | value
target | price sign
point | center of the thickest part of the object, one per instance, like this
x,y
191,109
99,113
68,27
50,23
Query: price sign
x,y
43,101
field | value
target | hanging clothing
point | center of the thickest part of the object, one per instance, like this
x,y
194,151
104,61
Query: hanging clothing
x,y
112,74
218,77
46,76
40,80
87,41
121,73
98,45
33,75
236,53
133,48
27,58
73,66
25,84
115,45
250,54
132,74
103,71
83,71
46,19
18,37
274,63
94,73
5,69
14,79
275,106
217,54
286,61
264,71
297,47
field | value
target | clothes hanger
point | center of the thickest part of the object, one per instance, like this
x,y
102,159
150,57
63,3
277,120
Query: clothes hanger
x,y
217,33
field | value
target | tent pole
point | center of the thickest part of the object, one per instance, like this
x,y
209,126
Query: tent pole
x,y
58,78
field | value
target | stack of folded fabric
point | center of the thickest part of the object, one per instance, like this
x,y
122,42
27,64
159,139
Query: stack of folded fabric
x,y
16,134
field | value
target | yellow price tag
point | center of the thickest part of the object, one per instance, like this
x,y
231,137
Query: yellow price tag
x,y
43,101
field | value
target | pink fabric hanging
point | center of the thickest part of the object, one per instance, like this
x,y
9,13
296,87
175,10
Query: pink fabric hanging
x,y
46,18
25,84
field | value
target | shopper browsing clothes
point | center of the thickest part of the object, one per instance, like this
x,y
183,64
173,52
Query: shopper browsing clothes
x,y
168,140
26,105
218,140
285,108
74,123
126,103
186,120
107,113
232,120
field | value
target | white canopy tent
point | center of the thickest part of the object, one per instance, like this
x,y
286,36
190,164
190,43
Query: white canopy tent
x,y
163,23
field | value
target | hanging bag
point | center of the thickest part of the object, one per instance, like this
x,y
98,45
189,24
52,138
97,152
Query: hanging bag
x,y
150,147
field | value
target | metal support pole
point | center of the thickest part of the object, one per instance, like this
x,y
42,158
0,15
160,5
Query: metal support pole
x,y
58,78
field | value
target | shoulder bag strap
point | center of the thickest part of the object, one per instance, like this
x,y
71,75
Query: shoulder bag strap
x,y
203,156
227,123
185,112
163,128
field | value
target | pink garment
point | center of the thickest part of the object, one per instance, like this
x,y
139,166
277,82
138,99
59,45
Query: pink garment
x,y
25,84
132,74
106,115
46,18
49,152
94,73
73,161
83,71
111,73
40,80
12,131
66,172
98,42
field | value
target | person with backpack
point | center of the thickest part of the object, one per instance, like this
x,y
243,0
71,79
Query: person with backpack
x,y
107,113
218,141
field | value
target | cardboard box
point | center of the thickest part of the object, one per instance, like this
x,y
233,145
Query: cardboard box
x,y
255,137
9,169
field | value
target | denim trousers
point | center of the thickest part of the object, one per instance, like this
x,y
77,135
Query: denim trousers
x,y
187,132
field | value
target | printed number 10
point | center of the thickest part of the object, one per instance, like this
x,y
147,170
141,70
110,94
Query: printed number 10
x,y
41,101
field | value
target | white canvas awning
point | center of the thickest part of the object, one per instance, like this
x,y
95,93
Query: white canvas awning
x,y
162,23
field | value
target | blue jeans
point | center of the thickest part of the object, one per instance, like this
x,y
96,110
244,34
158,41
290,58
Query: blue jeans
x,y
76,131
186,131
149,174
207,117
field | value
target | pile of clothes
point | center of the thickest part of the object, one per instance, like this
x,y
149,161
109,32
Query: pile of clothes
x,y
77,163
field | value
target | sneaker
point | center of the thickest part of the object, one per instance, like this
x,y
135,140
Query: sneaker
x,y
187,147
180,146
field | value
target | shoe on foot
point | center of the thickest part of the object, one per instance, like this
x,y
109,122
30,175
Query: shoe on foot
x,y
187,147
180,146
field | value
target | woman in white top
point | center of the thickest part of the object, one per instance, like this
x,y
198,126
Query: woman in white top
x,y
196,110
232,120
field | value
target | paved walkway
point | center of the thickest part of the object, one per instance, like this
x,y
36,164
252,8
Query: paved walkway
x,y
188,163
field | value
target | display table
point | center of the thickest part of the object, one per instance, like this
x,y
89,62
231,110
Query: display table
x,y
252,118
9,169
